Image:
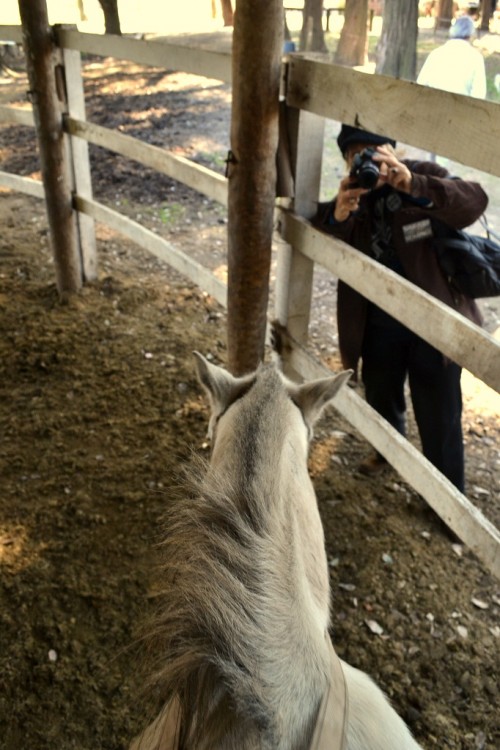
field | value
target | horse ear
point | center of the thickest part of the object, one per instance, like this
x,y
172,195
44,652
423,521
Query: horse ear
x,y
222,387
311,398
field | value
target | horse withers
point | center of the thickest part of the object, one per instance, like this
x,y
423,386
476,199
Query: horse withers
x,y
240,642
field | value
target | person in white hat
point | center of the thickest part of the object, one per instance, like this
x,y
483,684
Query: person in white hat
x,y
456,66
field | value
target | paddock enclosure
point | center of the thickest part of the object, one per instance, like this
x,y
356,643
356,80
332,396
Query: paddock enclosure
x,y
399,565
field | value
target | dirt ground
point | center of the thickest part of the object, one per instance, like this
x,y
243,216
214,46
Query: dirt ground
x,y
100,409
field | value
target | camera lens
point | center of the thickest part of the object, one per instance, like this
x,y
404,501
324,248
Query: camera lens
x,y
364,170
368,175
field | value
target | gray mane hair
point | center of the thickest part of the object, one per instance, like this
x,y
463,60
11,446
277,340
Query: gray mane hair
x,y
215,591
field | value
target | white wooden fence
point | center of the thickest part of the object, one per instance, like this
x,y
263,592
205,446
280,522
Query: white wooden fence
x,y
451,125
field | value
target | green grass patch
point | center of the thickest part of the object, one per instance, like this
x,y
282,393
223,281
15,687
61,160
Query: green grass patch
x,y
171,214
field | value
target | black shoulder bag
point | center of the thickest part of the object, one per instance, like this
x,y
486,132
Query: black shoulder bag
x,y
470,263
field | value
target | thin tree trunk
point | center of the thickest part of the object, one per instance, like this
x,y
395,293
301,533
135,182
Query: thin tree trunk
x,y
227,12
444,15
397,46
487,8
312,37
111,16
252,176
352,48
39,48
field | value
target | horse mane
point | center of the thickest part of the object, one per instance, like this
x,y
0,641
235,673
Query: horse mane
x,y
207,626
222,553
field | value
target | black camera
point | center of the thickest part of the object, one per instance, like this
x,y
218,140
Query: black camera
x,y
364,169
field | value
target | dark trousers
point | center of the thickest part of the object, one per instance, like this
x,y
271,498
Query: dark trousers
x,y
392,353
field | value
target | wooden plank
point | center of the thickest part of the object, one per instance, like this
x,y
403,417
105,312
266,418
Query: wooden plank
x,y
294,276
417,115
459,514
204,180
22,184
447,330
11,34
150,241
200,62
17,116
79,155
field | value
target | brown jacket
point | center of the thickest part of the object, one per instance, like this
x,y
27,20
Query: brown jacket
x,y
456,202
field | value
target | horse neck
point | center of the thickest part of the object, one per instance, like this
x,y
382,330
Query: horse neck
x,y
266,465
272,492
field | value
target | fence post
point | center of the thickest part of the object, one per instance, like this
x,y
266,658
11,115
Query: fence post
x,y
294,274
40,48
79,156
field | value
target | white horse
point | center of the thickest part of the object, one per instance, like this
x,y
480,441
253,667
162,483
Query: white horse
x,y
244,660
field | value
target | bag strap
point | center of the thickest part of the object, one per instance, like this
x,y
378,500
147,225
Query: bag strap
x,y
330,732
490,233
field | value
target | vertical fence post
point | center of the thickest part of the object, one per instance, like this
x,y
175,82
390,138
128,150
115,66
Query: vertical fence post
x,y
79,157
294,274
40,57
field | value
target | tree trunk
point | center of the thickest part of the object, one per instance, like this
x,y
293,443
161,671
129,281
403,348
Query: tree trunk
x,y
487,9
353,43
40,55
81,11
312,37
252,176
111,16
227,12
444,15
397,46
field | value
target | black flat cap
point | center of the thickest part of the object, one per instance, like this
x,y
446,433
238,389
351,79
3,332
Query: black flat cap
x,y
349,135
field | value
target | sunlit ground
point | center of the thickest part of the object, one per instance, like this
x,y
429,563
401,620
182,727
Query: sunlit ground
x,y
479,397
136,16
17,550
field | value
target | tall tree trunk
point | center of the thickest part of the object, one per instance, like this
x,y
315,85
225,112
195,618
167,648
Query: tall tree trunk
x,y
227,12
40,62
397,46
252,176
81,11
353,43
487,9
312,37
444,14
111,16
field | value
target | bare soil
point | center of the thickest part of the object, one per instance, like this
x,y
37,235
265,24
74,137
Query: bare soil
x,y
100,409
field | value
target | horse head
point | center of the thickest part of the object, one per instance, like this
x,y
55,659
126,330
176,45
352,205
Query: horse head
x,y
224,390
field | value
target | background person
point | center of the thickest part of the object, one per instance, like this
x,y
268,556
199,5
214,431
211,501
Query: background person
x,y
456,66
391,223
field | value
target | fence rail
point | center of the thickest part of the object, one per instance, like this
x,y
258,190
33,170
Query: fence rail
x,y
315,89
195,176
447,124
444,328
25,185
189,59
16,115
160,247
